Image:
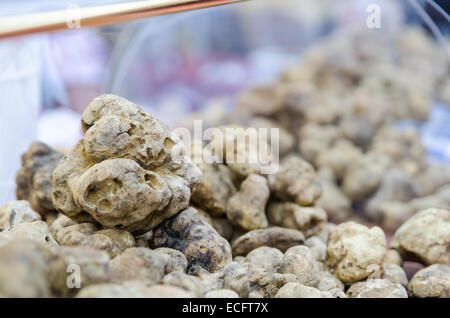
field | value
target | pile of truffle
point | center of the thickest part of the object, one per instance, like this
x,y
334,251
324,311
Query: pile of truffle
x,y
346,109
127,213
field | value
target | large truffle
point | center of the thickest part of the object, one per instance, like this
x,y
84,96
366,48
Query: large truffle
x,y
127,173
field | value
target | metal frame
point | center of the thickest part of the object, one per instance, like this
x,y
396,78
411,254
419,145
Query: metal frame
x,y
75,17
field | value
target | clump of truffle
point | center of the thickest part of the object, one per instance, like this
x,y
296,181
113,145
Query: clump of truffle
x,y
127,173
195,238
34,180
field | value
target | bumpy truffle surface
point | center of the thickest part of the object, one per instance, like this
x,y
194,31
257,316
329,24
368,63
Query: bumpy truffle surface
x,y
425,237
299,260
92,265
15,212
195,238
127,173
308,220
404,148
377,288
140,264
191,284
432,281
34,180
295,181
112,241
353,248
221,293
276,237
132,289
214,189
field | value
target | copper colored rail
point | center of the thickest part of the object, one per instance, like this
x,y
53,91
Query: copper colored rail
x,y
75,17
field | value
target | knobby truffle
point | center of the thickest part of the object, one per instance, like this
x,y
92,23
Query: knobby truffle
x,y
127,173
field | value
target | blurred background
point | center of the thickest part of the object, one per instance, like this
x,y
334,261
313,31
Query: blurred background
x,y
173,65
